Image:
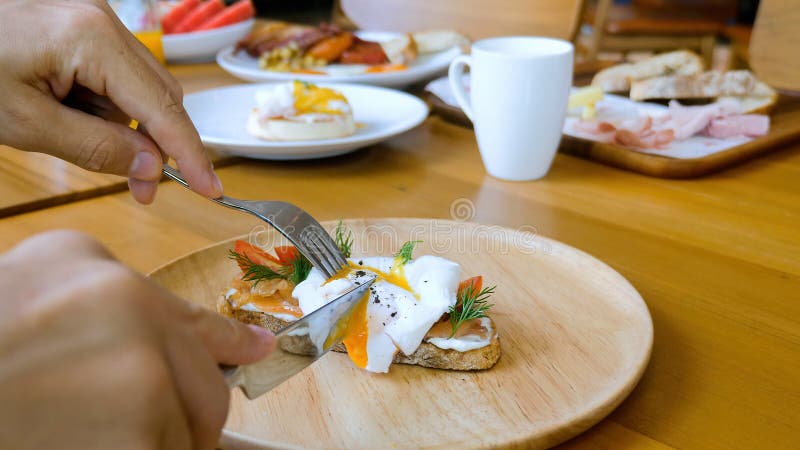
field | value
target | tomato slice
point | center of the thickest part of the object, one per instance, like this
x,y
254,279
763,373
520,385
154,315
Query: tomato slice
x,y
254,254
475,282
286,254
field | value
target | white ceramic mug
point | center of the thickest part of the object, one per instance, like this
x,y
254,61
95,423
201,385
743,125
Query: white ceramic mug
x,y
519,87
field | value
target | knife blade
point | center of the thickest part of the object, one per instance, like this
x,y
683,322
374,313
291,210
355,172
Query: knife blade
x,y
298,345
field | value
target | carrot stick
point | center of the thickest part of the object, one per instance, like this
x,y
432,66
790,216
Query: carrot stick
x,y
202,13
172,18
237,12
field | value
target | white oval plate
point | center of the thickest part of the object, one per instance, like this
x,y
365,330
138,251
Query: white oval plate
x,y
220,116
423,68
201,46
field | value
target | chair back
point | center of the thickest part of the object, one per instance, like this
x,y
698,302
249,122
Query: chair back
x,y
475,18
775,44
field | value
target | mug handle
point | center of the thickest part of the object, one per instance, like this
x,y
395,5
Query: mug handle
x,y
456,76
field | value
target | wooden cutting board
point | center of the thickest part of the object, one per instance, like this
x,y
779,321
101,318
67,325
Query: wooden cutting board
x,y
784,128
575,338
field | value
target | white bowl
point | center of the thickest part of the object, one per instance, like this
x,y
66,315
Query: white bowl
x,y
202,46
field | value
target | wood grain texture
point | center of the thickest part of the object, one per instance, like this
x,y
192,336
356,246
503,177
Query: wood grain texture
x,y
575,338
31,181
775,42
476,18
716,258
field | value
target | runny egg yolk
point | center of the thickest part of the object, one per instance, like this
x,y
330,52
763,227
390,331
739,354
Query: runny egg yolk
x,y
309,98
356,332
275,305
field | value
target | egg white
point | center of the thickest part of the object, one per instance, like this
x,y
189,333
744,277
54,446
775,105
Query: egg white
x,y
396,317
276,119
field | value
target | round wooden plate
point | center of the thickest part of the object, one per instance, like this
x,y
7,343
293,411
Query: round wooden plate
x,y
575,337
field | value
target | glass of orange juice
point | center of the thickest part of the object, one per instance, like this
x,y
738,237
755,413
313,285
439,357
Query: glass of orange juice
x,y
141,18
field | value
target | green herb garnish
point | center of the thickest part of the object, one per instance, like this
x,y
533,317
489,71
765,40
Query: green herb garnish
x,y
343,239
255,272
470,305
300,268
404,254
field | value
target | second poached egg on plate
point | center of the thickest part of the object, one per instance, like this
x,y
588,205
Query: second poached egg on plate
x,y
221,117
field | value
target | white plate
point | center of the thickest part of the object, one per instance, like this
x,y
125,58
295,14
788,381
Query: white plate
x,y
220,116
423,68
201,46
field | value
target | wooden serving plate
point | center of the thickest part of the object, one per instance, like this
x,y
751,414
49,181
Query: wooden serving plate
x,y
784,129
575,337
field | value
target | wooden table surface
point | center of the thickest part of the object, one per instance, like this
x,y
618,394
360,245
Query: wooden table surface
x,y
716,259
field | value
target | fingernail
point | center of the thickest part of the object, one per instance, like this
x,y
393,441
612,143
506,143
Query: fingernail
x,y
217,184
145,166
266,336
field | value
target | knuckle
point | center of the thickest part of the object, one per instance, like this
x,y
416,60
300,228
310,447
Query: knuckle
x,y
96,152
111,276
176,89
199,319
174,105
91,15
150,371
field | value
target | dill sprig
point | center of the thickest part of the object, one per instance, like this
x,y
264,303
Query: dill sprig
x,y
343,239
255,272
406,251
470,305
300,268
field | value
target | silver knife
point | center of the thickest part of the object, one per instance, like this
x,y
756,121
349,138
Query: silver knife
x,y
298,345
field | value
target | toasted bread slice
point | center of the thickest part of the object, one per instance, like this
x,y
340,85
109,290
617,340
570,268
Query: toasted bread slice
x,y
619,78
426,355
710,84
401,50
760,101
438,40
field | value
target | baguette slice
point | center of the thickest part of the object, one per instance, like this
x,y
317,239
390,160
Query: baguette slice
x,y
760,101
401,50
437,40
426,355
710,84
619,78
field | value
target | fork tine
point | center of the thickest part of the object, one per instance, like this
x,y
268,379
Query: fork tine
x,y
326,256
312,256
332,252
314,234
325,266
299,227
300,241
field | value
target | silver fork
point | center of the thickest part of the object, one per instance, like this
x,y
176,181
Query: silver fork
x,y
302,230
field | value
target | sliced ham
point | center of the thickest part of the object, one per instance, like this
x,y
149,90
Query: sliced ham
x,y
599,131
722,119
649,139
686,121
750,125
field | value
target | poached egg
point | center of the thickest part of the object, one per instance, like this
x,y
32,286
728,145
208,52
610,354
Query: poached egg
x,y
300,111
397,313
